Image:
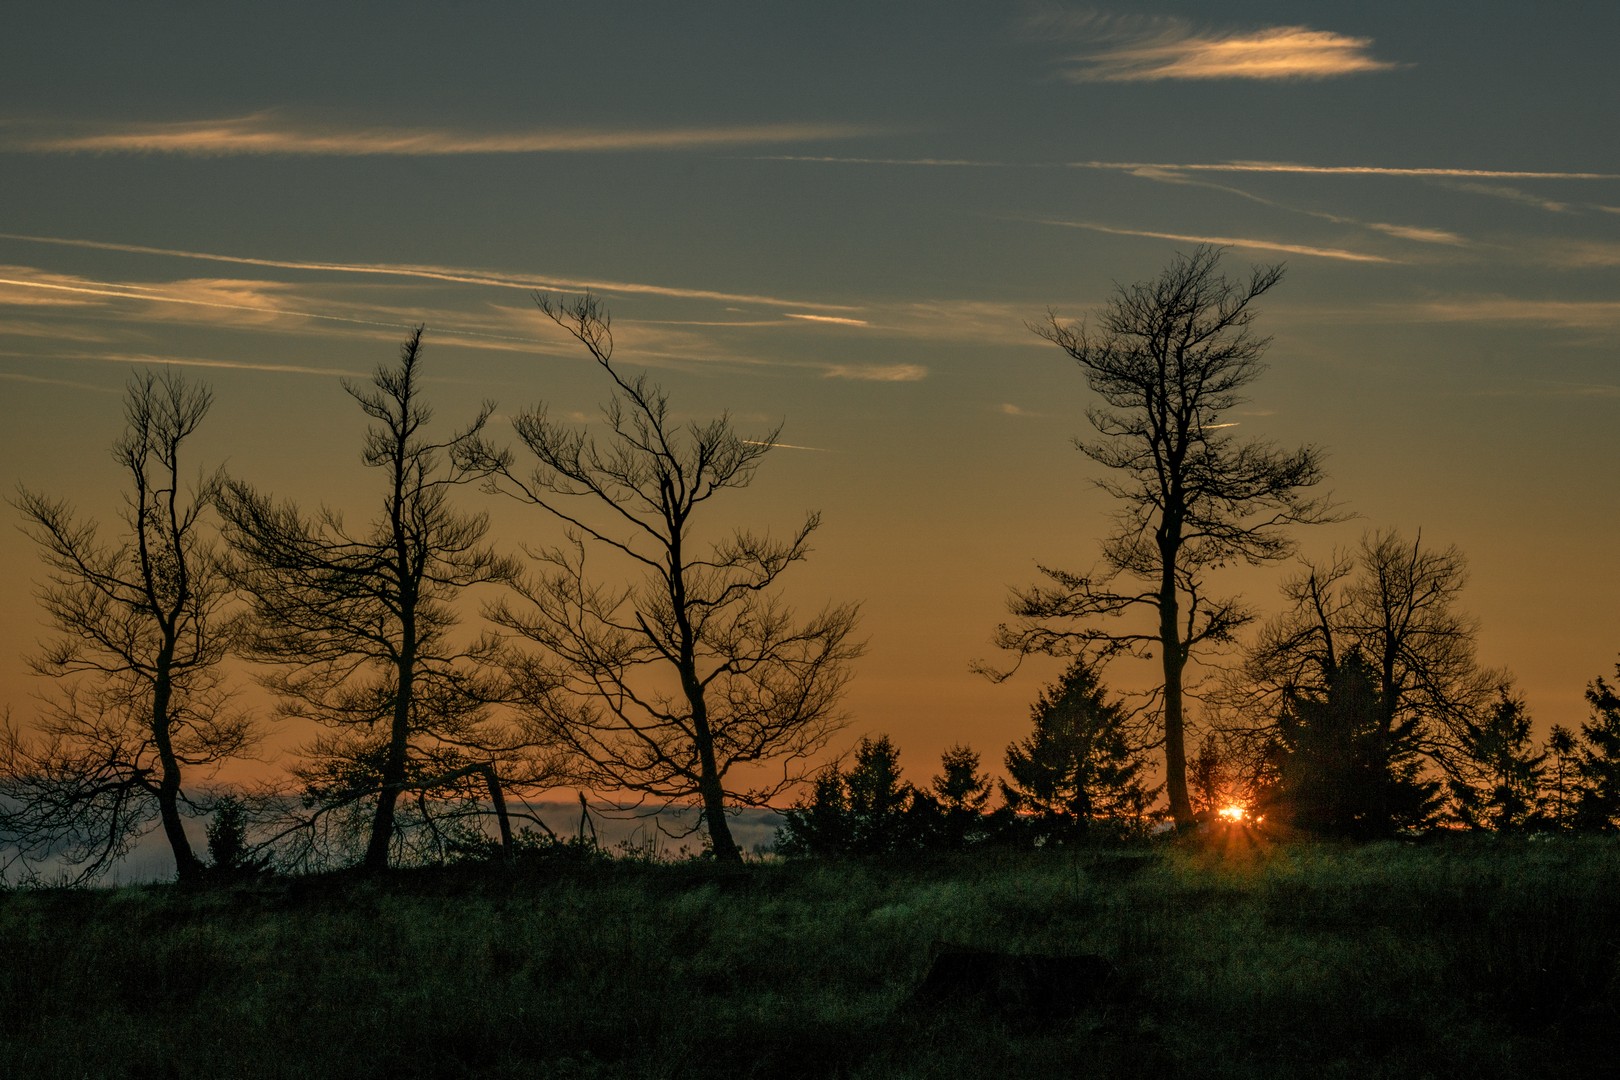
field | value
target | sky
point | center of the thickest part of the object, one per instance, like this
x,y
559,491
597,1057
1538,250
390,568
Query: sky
x,y
843,218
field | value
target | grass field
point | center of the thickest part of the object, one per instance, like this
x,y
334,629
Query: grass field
x,y
1238,959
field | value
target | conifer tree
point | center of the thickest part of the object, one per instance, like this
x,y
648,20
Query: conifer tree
x,y
1340,769
962,793
1497,778
868,810
1077,768
1562,786
1598,804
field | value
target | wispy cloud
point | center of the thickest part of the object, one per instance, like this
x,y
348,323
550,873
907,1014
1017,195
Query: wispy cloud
x,y
47,328
1147,168
1404,232
261,306
1569,314
1143,49
1248,243
877,372
449,274
836,320
169,360
1568,254
1340,170
1007,408
13,376
242,297
286,308
273,133
947,163
1511,194
954,321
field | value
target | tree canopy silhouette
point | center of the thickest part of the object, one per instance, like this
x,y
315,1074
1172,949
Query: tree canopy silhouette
x,y
1170,358
871,810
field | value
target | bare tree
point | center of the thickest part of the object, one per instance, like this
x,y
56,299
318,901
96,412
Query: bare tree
x,y
672,684
1170,358
358,625
1394,602
142,627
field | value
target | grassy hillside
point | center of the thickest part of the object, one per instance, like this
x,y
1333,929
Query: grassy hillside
x,y
1490,960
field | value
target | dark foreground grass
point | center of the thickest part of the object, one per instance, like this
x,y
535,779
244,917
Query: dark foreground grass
x,y
1239,960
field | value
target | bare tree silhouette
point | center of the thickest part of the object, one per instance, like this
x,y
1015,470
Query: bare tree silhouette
x,y
357,625
1395,602
668,685
1170,358
142,627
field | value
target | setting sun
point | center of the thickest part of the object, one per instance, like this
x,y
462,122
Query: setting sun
x,y
1232,814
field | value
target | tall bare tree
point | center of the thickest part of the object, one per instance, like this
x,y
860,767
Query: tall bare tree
x,y
1170,358
673,684
358,623
142,627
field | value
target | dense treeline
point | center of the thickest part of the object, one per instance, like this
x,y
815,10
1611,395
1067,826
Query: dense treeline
x,y
1326,767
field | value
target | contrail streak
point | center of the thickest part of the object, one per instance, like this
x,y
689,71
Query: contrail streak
x,y
1230,241
1343,170
454,275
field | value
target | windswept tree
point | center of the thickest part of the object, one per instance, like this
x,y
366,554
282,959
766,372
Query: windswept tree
x,y
358,627
142,625
681,683
1077,769
1171,358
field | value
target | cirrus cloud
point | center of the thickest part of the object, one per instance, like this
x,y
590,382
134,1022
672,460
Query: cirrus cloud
x,y
1139,49
269,132
877,372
